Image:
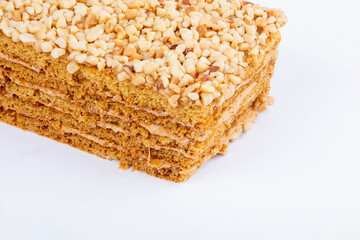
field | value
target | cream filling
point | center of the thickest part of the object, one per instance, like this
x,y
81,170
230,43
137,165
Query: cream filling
x,y
51,92
119,129
232,133
113,127
159,130
153,129
236,127
107,94
108,143
97,140
228,114
17,61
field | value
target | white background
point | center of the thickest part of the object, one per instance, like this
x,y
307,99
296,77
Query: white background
x,y
295,175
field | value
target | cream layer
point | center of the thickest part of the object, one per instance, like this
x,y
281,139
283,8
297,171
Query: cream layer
x,y
152,128
267,59
236,127
105,142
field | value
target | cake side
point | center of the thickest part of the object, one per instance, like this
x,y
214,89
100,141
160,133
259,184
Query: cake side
x,y
155,167
41,106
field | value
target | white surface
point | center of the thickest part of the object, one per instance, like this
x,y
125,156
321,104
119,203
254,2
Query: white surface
x,y
295,175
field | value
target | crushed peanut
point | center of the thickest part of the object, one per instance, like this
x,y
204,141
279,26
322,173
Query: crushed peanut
x,y
72,67
189,50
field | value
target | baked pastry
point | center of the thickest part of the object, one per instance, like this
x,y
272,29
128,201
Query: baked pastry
x,y
160,86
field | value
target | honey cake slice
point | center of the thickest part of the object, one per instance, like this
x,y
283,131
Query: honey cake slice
x,y
178,78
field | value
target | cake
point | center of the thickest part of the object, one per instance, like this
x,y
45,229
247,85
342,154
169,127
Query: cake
x,y
160,86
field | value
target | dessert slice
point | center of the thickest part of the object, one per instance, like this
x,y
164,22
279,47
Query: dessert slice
x,y
160,86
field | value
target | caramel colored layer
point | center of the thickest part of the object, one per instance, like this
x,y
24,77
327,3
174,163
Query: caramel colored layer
x,y
88,81
152,166
114,128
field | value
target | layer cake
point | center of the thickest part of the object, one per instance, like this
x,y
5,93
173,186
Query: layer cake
x,y
160,86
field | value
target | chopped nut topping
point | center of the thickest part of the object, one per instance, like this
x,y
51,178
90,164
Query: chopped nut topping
x,y
195,51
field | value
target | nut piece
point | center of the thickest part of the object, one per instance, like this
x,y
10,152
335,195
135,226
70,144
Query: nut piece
x,y
271,28
207,88
193,96
234,79
90,21
270,100
138,79
94,33
27,38
201,30
173,100
61,42
247,126
236,135
72,68
67,4
206,98
46,47
57,52
144,45
130,30
122,76
150,68
139,66
92,60
176,72
129,51
131,13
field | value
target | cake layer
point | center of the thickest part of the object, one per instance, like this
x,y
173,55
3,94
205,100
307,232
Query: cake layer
x,y
114,127
89,85
119,139
152,166
167,128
